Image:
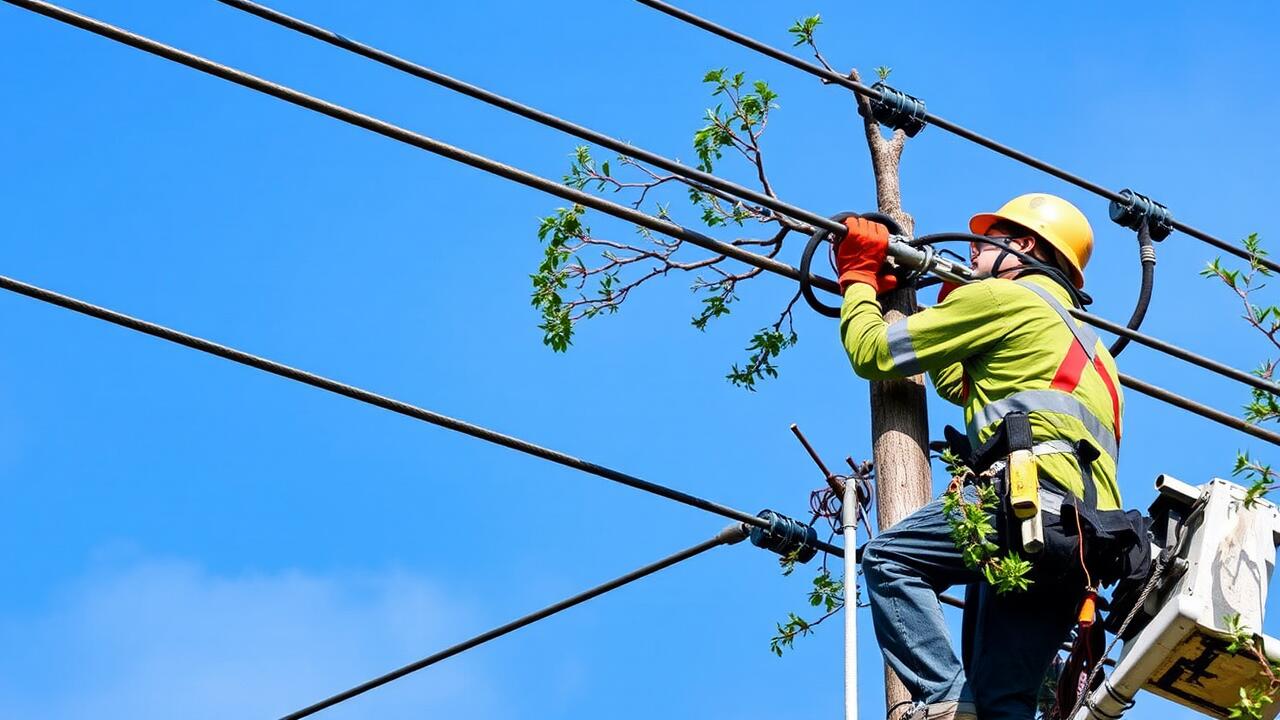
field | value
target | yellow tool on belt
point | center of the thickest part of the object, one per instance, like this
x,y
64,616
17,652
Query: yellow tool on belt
x,y
1024,482
1024,498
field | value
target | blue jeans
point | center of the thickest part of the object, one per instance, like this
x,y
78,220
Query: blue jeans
x,y
1011,638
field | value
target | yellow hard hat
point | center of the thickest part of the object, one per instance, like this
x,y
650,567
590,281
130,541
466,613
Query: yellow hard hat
x,y
1059,222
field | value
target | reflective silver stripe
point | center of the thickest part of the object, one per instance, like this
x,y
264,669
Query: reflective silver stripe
x,y
901,351
1053,447
1084,335
1048,447
1029,401
1051,502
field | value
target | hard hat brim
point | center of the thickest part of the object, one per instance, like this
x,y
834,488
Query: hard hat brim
x,y
979,224
982,222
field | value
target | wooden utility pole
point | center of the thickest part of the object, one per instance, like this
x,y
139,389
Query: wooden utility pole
x,y
900,438
899,419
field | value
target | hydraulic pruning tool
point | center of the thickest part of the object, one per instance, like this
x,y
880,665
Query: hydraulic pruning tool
x,y
908,261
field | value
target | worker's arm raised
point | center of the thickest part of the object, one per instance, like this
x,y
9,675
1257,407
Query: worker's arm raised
x,y
968,322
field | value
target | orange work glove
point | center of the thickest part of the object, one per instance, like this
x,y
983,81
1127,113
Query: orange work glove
x,y
860,256
885,282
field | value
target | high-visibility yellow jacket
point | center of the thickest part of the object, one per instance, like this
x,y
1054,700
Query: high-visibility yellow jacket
x,y
997,346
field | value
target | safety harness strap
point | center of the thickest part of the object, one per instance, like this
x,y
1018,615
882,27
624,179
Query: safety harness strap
x,y
1083,351
1084,335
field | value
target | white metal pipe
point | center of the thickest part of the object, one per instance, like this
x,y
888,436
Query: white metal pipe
x,y
849,521
1175,489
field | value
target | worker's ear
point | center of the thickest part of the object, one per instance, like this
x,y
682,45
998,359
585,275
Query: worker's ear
x,y
1028,245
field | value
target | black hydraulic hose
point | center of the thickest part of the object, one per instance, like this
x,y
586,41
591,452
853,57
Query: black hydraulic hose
x,y
1147,255
384,402
477,161
729,536
932,119
531,113
817,239
1080,297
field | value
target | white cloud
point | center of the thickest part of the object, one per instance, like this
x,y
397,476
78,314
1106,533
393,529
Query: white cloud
x,y
170,640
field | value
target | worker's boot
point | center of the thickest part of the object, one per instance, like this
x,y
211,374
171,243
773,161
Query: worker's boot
x,y
946,710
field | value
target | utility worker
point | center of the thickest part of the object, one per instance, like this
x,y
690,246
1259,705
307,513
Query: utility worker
x,y
1002,347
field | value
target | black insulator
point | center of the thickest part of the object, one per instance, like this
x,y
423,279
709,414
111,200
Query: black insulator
x,y
1136,209
898,110
786,537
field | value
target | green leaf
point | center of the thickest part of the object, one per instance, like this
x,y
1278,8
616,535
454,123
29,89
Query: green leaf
x,y
713,307
803,29
765,346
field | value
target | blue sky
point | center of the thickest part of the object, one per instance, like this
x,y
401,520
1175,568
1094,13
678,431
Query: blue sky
x,y
181,536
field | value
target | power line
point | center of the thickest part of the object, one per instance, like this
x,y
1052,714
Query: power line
x,y
520,176
932,119
531,113
410,138
704,180
384,402
1178,352
1202,410
729,536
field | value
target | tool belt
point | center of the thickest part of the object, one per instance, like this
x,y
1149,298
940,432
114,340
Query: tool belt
x,y
1037,516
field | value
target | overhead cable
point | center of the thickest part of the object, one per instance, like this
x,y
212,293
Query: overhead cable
x,y
1178,352
532,113
1204,411
409,137
733,534
833,77
384,402
704,180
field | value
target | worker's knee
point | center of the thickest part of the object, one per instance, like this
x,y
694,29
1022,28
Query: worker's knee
x,y
874,560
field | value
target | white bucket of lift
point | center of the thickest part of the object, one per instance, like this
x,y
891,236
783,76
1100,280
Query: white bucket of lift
x,y
1226,566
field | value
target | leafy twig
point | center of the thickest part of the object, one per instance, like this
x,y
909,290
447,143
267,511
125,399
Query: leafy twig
x,y
1263,406
560,286
765,346
828,594
1245,282
1255,698
1263,479
971,531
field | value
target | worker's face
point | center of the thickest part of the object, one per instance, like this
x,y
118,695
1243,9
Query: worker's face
x,y
982,256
